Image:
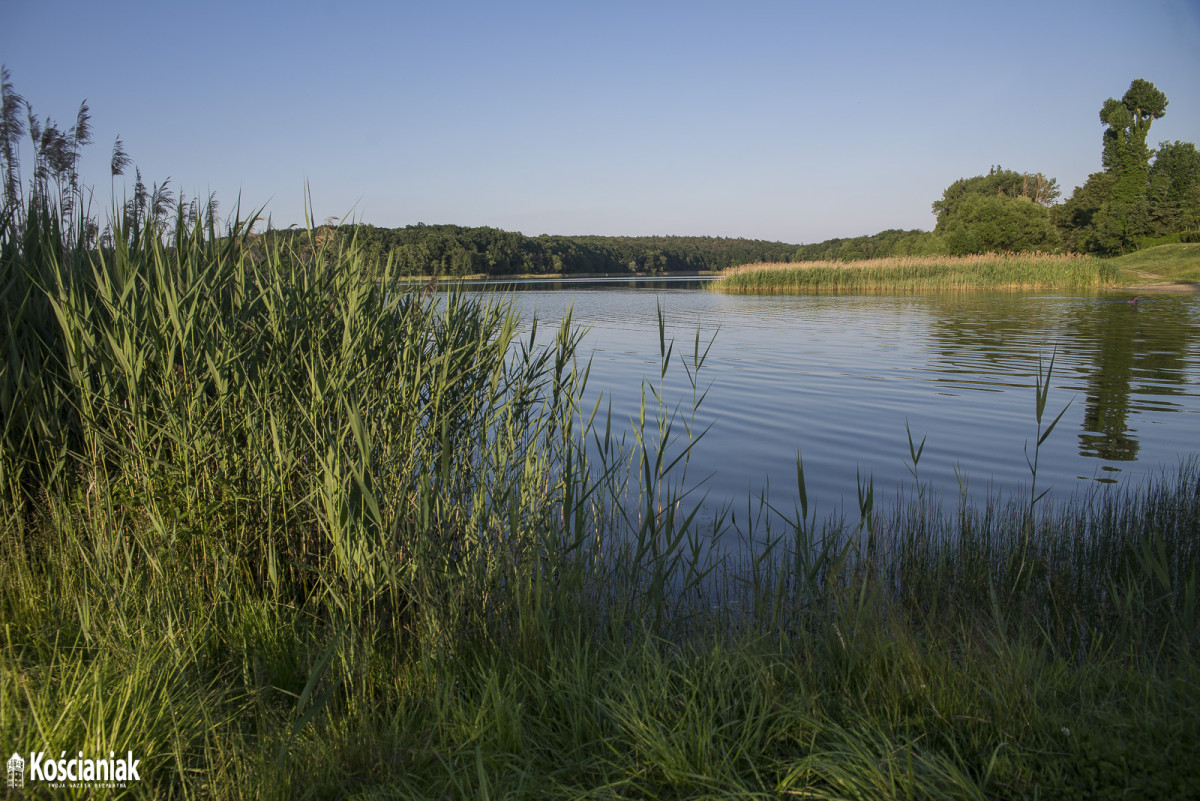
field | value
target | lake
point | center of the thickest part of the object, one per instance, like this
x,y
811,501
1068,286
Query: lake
x,y
836,379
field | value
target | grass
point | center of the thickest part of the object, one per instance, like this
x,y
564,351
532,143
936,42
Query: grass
x,y
287,529
1005,271
1177,262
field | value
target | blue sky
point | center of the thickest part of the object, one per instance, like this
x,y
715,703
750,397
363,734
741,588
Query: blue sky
x,y
793,121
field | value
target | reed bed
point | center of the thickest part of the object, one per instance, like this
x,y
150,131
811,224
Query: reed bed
x,y
994,271
286,528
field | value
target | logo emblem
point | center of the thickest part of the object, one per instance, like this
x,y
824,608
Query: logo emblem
x,y
16,771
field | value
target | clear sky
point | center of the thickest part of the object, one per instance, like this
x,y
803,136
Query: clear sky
x,y
793,121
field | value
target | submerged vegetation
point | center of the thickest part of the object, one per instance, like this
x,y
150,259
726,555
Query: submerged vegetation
x,y
910,274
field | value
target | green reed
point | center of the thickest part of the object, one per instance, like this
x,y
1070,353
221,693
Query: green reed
x,y
286,528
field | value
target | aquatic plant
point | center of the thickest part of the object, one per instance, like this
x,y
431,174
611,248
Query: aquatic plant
x,y
999,271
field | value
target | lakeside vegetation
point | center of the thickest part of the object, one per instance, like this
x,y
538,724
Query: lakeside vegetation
x,y
284,531
914,274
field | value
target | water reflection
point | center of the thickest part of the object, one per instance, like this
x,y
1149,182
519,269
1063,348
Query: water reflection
x,y
1148,343
838,379
1104,342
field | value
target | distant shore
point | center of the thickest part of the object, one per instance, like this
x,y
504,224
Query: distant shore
x,y
419,279
1167,268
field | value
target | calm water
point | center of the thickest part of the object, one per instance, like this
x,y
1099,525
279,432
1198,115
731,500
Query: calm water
x,y
835,378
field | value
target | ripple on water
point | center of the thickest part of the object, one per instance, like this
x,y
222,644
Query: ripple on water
x,y
837,378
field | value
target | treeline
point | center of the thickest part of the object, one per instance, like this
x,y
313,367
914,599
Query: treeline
x,y
455,250
892,242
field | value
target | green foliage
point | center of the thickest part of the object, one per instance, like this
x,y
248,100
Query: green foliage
x,y
997,223
892,242
1174,190
1134,198
1111,214
999,182
1001,211
1084,220
1128,122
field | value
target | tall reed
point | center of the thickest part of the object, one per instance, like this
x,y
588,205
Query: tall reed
x,y
1000,271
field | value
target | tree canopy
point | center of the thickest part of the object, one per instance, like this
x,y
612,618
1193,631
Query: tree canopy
x,y
1174,188
1004,210
992,223
1132,198
1127,124
998,182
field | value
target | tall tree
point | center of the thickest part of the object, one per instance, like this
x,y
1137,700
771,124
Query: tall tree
x,y
1127,156
1128,122
1131,198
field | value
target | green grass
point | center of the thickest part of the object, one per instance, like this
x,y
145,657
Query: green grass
x,y
287,529
1177,262
1007,271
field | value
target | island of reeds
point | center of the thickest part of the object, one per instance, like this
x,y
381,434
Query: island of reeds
x,y
994,271
279,526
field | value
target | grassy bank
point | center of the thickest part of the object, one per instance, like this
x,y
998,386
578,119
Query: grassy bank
x,y
1177,263
1003,271
284,532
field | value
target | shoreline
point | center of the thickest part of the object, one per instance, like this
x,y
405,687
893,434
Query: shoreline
x,y
450,279
1160,286
1175,287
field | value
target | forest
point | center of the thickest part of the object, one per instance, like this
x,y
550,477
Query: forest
x,y
456,251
